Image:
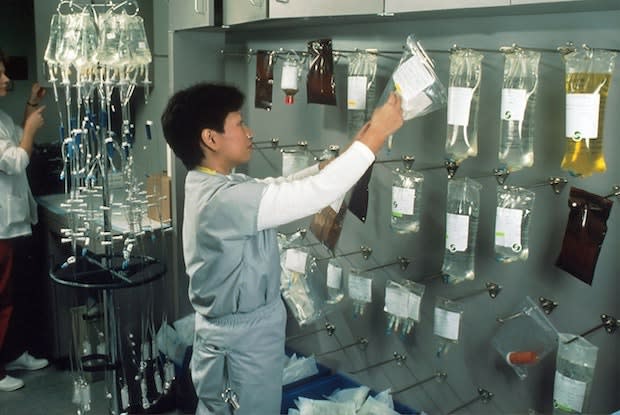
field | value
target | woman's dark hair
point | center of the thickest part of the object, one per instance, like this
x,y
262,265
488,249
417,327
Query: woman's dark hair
x,y
3,57
190,111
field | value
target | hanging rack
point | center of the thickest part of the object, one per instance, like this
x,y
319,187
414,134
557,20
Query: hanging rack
x,y
364,250
547,305
614,193
440,376
402,261
362,341
557,183
500,174
491,288
329,328
483,395
398,358
610,324
407,161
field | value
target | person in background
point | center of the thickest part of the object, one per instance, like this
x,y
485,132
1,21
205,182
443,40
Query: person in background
x,y
229,241
18,211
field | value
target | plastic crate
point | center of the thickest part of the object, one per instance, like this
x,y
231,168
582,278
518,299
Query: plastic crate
x,y
325,386
323,372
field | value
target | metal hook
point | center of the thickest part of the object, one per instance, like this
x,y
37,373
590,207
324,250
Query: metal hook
x,y
274,142
490,287
615,192
402,261
407,160
451,167
364,250
398,358
440,376
500,174
564,50
483,395
610,324
547,305
362,341
329,328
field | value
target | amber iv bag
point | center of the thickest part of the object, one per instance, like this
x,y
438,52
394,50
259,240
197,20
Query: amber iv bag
x,y
463,104
516,142
585,233
264,80
588,75
321,87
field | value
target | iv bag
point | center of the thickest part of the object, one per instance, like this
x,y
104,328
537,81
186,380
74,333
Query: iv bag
x,y
68,44
113,51
321,87
462,212
406,190
360,292
264,80
335,291
588,75
463,104
87,41
138,43
294,160
512,223
57,29
414,79
447,323
402,303
516,144
298,285
327,224
361,90
585,233
525,339
574,372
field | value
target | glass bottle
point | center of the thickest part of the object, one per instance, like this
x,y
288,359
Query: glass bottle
x,y
290,79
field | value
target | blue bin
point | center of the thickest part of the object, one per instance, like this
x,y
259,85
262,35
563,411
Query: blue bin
x,y
325,386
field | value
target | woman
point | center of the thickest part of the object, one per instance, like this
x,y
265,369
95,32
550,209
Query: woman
x,y
18,210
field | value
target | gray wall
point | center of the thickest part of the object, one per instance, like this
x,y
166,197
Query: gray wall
x,y
472,363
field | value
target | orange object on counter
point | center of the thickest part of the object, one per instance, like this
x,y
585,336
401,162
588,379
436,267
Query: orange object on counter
x,y
521,358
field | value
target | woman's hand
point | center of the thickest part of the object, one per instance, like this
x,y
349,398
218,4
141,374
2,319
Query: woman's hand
x,y
385,121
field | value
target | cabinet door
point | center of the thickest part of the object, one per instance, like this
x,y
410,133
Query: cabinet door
x,y
402,6
306,8
242,11
189,14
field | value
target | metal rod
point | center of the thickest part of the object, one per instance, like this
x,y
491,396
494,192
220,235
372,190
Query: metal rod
x,y
402,261
609,322
483,395
492,288
500,175
329,328
362,341
364,250
274,142
304,246
441,375
557,183
397,358
615,192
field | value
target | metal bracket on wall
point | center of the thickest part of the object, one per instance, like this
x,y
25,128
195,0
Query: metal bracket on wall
x,y
484,396
610,324
547,305
402,261
364,250
500,174
329,328
491,288
362,342
439,376
557,183
398,358
407,161
614,193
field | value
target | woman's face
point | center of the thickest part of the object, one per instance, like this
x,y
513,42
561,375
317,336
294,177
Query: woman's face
x,y
4,81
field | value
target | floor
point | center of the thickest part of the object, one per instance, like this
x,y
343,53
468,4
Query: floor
x,y
49,392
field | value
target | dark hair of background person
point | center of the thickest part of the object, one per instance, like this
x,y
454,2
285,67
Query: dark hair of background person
x,y
190,111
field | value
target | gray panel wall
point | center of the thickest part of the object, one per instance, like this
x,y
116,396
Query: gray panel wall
x,y
472,363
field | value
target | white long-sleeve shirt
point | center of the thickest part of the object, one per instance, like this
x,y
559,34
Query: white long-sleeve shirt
x,y
18,209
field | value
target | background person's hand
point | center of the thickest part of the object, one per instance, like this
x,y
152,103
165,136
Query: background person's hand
x,y
37,93
34,121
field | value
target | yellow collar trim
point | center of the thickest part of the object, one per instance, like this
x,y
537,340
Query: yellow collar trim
x,y
206,170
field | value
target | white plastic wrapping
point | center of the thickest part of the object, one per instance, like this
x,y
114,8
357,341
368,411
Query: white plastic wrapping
x,y
298,285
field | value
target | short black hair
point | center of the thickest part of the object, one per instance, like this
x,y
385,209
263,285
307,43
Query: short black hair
x,y
191,110
3,57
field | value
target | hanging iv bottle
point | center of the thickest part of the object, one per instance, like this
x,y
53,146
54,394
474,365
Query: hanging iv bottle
x,y
290,80
406,188
462,212
518,105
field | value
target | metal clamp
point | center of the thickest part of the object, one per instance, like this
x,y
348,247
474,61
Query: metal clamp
x,y
491,288
230,397
547,305
500,174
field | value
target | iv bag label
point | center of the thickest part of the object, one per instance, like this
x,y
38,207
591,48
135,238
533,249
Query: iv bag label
x,y
508,227
513,104
582,115
360,288
411,78
413,306
459,105
296,261
447,324
334,276
289,77
457,232
569,393
397,301
403,201
356,92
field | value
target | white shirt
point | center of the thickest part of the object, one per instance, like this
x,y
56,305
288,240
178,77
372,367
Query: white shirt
x,y
18,209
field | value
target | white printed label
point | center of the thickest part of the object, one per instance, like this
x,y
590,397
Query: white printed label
x,y
457,232
582,115
110,35
508,228
569,392
360,288
396,301
289,78
447,324
334,276
413,306
296,261
513,104
411,78
356,92
403,201
459,105
141,45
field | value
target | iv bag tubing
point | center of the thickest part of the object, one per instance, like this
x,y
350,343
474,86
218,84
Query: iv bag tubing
x,y
441,376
